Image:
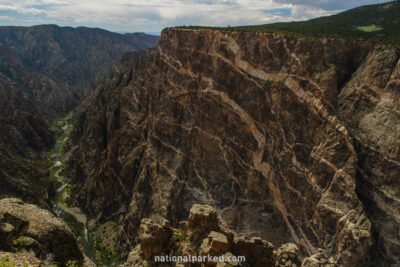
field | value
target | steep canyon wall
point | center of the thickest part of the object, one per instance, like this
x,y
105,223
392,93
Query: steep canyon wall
x,y
291,139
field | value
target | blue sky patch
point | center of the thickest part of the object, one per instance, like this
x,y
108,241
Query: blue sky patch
x,y
279,11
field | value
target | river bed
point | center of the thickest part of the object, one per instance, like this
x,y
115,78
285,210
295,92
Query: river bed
x,y
73,216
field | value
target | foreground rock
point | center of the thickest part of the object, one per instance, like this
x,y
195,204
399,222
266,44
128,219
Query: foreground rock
x,y
287,255
203,239
28,228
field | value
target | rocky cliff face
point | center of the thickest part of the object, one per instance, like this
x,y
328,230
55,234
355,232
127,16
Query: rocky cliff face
x,y
282,135
24,137
369,105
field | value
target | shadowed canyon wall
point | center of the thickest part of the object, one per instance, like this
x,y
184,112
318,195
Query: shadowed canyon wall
x,y
291,139
24,139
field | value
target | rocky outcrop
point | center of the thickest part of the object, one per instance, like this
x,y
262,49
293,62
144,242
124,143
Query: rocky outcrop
x,y
204,239
255,124
28,228
159,244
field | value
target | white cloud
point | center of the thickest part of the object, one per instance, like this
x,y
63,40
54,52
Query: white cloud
x,y
153,15
330,5
305,12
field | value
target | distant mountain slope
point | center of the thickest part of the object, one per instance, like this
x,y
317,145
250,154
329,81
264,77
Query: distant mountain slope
x,y
58,66
356,23
380,22
143,40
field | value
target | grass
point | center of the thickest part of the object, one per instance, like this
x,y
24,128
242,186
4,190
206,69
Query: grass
x,y
179,236
370,28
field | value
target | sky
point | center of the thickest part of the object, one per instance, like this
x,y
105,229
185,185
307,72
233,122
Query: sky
x,y
154,15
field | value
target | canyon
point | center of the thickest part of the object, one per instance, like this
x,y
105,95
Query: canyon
x,y
281,148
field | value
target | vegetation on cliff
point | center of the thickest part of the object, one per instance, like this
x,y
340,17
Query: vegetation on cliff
x,y
379,22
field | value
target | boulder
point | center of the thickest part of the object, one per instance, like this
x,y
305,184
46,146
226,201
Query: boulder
x,y
38,230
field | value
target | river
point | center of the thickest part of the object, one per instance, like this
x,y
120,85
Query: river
x,y
73,216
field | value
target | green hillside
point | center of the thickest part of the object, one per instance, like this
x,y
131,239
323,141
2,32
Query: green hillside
x,y
380,22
